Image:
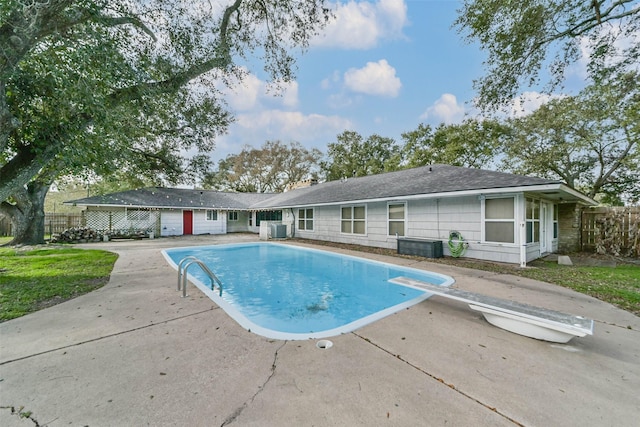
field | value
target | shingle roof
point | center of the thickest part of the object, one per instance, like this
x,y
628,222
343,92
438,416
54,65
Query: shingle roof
x,y
159,197
428,180
432,179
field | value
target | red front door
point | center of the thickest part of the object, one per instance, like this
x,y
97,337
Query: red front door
x,y
187,222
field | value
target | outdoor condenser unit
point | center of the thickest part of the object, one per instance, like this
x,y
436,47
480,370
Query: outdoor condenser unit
x,y
278,231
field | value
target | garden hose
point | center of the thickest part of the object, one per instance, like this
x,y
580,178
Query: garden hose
x,y
457,246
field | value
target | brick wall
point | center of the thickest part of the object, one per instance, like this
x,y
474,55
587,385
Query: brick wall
x,y
569,227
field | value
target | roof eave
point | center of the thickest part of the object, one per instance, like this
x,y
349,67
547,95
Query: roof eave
x,y
113,205
539,188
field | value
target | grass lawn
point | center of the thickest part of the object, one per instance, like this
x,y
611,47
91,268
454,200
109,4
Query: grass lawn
x,y
32,279
619,285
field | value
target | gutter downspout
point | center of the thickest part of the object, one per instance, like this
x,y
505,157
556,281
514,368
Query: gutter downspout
x,y
293,225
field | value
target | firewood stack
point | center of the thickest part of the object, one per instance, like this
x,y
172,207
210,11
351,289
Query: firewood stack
x,y
77,235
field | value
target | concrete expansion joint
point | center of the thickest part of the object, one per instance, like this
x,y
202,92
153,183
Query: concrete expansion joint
x,y
22,414
231,418
629,327
115,334
440,380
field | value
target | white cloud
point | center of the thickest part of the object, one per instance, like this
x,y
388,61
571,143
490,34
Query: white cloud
x,y
288,94
266,112
254,129
290,125
340,100
529,102
362,24
624,39
376,78
579,68
243,95
445,110
251,93
331,80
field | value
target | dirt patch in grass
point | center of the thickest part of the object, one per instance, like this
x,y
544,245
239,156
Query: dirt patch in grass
x,y
89,286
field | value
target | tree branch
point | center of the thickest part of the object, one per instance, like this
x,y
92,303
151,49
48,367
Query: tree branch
x,y
179,79
24,166
125,20
589,24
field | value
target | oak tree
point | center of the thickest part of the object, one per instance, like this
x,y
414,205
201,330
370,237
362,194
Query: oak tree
x,y
590,141
353,156
532,41
268,169
104,85
473,143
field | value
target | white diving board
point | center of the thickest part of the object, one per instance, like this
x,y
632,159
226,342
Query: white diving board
x,y
523,319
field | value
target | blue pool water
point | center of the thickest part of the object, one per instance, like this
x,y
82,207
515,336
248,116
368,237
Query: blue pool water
x,y
287,292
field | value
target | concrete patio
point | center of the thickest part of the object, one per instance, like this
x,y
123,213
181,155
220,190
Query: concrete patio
x,y
134,353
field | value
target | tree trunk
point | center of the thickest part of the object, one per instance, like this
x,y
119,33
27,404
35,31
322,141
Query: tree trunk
x,y
27,214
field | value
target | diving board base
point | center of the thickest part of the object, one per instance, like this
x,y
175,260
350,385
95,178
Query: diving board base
x,y
522,319
521,326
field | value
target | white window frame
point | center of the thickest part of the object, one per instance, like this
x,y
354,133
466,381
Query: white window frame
x,y
308,223
273,213
484,220
395,220
232,216
209,213
352,220
531,220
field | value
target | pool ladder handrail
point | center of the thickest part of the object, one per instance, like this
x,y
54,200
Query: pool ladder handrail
x,y
180,270
184,265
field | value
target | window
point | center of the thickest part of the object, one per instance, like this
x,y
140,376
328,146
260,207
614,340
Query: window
x,y
268,216
353,219
137,215
499,220
305,219
212,215
533,220
233,216
555,221
396,219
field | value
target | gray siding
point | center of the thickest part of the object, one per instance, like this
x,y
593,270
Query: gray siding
x,y
171,223
241,225
434,219
202,226
426,218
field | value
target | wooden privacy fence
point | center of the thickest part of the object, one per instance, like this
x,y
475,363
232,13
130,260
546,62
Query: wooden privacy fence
x,y
611,230
59,222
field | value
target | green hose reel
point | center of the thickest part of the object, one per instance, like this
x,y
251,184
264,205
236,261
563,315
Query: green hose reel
x,y
457,245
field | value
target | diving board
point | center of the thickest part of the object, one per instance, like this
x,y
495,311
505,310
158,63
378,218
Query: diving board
x,y
523,319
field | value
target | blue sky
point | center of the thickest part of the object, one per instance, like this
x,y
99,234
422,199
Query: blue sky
x,y
382,67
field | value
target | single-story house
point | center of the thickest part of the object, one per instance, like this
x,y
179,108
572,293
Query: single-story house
x,y
501,217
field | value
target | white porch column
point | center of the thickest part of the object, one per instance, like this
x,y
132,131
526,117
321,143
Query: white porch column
x,y
523,243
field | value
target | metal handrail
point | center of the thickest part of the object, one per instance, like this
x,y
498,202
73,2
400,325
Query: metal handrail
x,y
182,261
182,273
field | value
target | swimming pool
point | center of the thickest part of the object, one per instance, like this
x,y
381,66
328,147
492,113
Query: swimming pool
x,y
287,292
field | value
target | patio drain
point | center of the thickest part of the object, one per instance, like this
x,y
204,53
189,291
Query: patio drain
x,y
324,344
